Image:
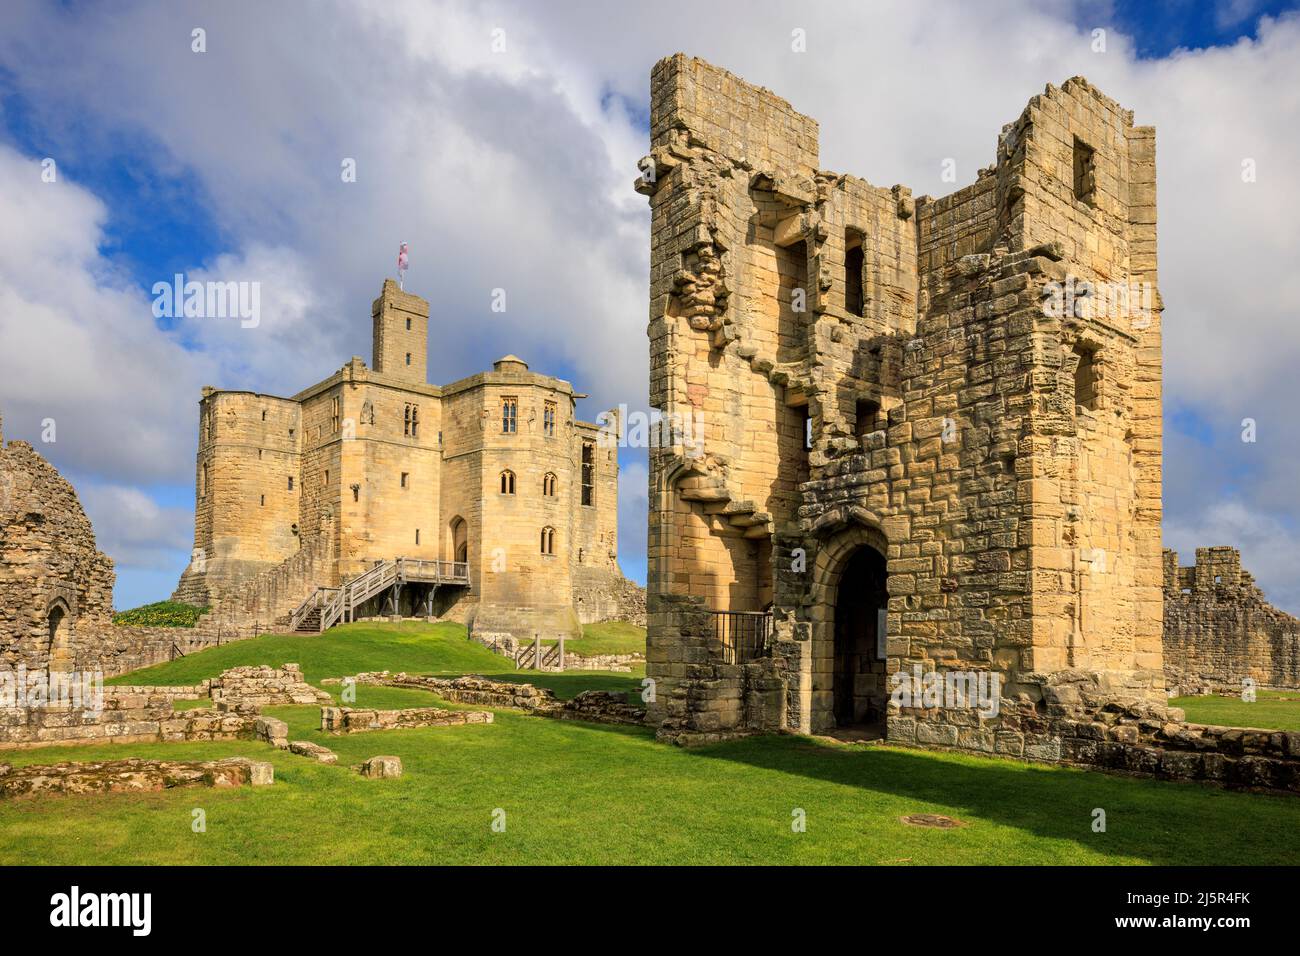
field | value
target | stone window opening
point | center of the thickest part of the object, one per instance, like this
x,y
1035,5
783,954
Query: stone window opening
x,y
408,325
1086,379
291,482
548,540
588,473
417,535
356,492
57,626
405,476
865,413
408,358
203,482
509,415
411,421
548,419
1085,174
548,484
325,477
854,260
264,414
335,415
507,482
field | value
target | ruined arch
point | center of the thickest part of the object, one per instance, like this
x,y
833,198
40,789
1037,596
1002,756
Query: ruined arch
x,y
58,649
847,680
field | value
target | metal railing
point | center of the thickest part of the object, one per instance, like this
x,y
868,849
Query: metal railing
x,y
744,635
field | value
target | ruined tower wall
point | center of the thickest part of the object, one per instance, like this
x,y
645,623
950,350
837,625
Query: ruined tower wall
x,y
49,565
1099,419
941,397
1219,629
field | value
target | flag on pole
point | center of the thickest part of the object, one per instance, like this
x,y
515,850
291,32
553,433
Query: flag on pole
x,y
401,266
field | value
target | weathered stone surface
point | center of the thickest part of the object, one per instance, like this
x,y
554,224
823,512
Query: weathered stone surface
x,y
306,748
383,766
349,720
272,731
113,776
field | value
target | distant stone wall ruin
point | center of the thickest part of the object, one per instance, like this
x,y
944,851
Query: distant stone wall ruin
x,y
1220,630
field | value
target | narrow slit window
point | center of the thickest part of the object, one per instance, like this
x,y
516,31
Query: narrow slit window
x,y
854,260
588,473
1085,174
1086,384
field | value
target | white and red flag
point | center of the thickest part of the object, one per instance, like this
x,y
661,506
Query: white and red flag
x,y
401,266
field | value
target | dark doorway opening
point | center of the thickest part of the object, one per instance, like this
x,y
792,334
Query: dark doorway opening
x,y
860,690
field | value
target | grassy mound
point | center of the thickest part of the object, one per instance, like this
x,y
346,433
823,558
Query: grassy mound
x,y
415,647
160,614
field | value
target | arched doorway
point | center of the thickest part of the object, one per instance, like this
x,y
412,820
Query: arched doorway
x,y
459,539
58,652
859,685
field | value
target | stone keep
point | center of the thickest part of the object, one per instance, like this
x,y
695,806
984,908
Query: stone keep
x,y
386,465
936,417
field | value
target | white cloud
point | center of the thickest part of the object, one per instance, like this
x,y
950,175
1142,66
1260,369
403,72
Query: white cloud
x,y
134,529
513,170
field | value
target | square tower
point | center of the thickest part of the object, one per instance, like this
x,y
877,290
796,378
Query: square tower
x,y
929,440
401,335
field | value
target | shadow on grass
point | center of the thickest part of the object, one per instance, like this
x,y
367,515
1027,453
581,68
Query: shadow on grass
x,y
1157,821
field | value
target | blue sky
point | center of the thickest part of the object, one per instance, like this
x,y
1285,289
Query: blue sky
x,y
515,171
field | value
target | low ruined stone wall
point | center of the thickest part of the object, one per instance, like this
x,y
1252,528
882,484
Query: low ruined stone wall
x,y
132,776
142,714
596,706
262,686
467,690
599,706
1136,736
351,720
129,718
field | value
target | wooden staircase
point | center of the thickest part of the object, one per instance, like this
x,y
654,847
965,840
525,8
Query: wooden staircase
x,y
325,607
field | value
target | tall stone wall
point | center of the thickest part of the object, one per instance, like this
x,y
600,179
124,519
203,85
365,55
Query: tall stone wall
x,y
1220,630
882,374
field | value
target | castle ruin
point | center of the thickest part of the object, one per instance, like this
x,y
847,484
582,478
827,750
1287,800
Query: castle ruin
x,y
932,441
1220,631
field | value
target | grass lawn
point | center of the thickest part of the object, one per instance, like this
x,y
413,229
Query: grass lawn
x,y
412,646
1273,710
584,793
609,637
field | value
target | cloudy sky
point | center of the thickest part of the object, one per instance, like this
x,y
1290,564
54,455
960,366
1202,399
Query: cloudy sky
x,y
500,140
